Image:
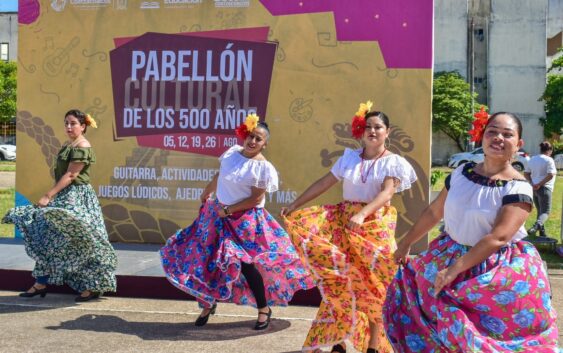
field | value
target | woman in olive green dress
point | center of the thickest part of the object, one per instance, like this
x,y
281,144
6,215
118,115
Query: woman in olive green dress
x,y
64,231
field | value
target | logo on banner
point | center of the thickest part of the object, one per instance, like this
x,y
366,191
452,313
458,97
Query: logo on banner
x,y
148,5
58,5
182,2
196,90
121,4
232,3
90,3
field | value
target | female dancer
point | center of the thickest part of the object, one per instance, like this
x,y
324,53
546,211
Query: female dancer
x,y
478,287
349,246
65,232
235,235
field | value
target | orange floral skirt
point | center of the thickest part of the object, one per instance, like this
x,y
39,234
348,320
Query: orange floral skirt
x,y
352,269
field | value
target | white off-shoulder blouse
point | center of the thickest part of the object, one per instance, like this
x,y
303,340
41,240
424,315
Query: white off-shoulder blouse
x,y
238,174
362,181
474,201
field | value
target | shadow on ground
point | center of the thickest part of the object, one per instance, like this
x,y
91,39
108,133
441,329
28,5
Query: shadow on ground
x,y
170,331
15,308
16,304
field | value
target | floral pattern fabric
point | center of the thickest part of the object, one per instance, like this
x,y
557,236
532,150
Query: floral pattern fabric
x,y
500,305
204,259
353,270
68,240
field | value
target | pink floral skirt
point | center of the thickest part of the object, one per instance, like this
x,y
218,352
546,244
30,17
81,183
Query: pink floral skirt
x,y
204,259
501,305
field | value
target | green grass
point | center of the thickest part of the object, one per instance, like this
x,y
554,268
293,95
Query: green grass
x,y
552,226
440,183
7,166
7,201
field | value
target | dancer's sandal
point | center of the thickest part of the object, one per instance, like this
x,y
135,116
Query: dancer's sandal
x,y
262,325
36,291
92,295
202,320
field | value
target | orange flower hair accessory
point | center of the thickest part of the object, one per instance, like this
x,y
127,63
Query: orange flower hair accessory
x,y
250,123
479,123
359,120
90,121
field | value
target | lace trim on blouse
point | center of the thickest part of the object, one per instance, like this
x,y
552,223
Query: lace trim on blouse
x,y
392,165
249,172
469,172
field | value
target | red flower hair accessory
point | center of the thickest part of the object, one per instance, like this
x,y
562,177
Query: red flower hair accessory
x,y
359,120
479,123
248,126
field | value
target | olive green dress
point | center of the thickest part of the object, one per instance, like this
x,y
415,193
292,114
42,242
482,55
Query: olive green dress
x,y
68,239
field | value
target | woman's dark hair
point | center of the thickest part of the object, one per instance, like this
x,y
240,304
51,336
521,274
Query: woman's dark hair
x,y
80,116
512,116
380,115
545,147
264,126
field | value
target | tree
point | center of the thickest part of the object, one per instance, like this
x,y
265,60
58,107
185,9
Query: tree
x,y
451,106
8,83
553,98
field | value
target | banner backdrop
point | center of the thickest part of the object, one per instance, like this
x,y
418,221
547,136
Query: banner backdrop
x,y
169,80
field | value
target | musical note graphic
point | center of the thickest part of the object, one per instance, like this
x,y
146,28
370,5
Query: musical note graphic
x,y
53,64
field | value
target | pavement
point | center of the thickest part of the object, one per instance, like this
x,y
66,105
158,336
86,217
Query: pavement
x,y
57,324
7,180
113,324
116,324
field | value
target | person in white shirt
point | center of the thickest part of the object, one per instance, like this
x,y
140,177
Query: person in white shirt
x,y
348,246
478,287
235,251
541,173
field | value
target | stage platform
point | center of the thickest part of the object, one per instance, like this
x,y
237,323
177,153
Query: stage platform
x,y
139,273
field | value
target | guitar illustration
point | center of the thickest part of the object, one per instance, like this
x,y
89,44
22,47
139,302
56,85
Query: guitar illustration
x,y
53,64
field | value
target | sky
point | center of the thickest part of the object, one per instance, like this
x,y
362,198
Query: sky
x,y
8,5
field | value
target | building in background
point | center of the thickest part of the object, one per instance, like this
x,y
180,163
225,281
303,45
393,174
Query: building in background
x,y
503,51
8,30
554,30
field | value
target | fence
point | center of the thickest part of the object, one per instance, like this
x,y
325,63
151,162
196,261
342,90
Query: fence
x,y
8,133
